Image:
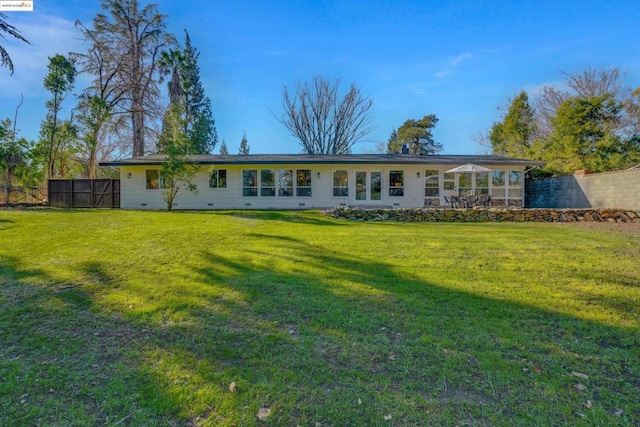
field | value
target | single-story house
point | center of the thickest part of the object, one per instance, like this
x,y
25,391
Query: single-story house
x,y
298,181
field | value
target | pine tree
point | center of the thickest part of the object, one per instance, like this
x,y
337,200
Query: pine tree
x,y
416,135
244,147
223,148
394,146
185,89
513,136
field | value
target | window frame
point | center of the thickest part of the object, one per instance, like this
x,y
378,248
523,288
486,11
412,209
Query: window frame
x,y
267,184
481,189
361,185
375,187
338,189
427,174
396,190
219,178
285,190
249,190
300,189
160,181
514,188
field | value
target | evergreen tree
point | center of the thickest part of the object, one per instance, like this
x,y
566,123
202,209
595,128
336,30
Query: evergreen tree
x,y
244,147
393,144
513,136
223,148
185,89
584,137
416,135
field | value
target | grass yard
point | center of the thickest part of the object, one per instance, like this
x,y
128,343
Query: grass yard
x,y
292,318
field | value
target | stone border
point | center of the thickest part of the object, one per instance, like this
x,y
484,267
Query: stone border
x,y
485,215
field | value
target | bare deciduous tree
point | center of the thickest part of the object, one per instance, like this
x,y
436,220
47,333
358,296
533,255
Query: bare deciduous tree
x,y
546,104
100,101
585,85
324,121
592,82
134,37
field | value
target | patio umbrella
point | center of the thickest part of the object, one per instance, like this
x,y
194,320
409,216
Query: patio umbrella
x,y
469,167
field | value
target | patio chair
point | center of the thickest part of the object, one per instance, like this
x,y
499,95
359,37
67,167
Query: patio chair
x,y
481,200
448,201
484,200
468,201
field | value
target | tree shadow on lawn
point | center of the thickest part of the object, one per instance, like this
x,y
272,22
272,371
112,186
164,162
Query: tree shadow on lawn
x,y
301,217
313,346
61,361
335,339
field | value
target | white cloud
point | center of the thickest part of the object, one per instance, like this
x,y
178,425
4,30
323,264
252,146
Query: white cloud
x,y
458,59
452,65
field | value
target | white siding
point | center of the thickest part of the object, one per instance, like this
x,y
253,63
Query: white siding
x,y
134,194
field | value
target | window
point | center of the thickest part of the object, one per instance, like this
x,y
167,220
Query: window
x,y
267,183
515,179
431,183
340,183
482,182
464,183
154,180
449,181
498,184
396,183
376,185
515,184
285,183
303,183
361,186
218,178
249,183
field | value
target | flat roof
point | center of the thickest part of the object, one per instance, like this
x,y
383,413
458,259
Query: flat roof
x,y
258,159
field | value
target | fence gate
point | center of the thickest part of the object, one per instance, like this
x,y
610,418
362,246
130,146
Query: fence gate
x,y
84,193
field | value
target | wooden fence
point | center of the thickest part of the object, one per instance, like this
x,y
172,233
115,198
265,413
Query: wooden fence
x,y
84,193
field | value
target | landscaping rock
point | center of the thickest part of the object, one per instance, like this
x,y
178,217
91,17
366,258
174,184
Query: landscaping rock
x,y
485,215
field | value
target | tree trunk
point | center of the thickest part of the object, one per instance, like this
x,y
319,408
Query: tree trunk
x,y
7,188
93,164
51,168
137,99
137,122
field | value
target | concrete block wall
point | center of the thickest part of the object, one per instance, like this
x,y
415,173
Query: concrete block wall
x,y
611,190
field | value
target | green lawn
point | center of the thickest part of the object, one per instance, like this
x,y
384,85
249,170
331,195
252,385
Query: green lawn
x,y
183,318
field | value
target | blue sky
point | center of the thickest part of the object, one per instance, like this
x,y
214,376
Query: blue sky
x,y
459,60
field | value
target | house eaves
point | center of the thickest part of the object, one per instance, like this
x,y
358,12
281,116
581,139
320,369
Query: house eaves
x,y
264,159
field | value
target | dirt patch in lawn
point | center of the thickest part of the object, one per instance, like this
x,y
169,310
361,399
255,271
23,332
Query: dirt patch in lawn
x,y
613,227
